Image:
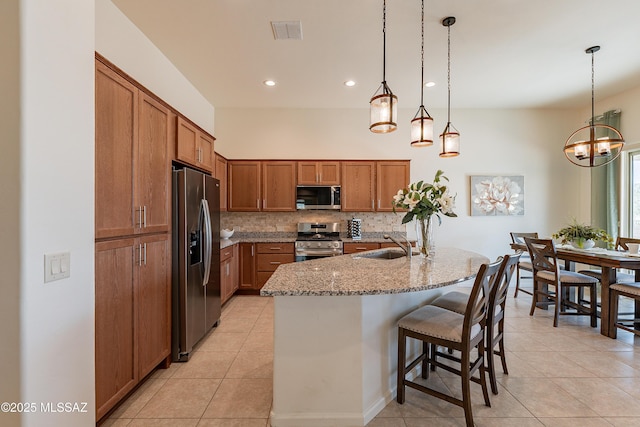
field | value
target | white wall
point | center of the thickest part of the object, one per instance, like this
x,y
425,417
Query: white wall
x,y
10,359
501,142
57,207
122,43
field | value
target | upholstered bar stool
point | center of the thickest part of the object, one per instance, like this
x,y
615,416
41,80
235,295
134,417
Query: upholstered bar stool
x,y
629,290
457,301
436,326
546,272
525,261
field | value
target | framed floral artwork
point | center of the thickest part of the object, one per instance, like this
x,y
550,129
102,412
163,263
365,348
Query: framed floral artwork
x,y
497,195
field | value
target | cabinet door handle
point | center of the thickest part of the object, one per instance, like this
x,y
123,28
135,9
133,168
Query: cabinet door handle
x,y
227,269
251,250
145,254
378,203
275,263
144,216
320,179
361,249
264,203
139,260
275,249
139,211
372,205
258,204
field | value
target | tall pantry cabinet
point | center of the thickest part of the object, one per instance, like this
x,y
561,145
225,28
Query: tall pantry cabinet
x,y
134,136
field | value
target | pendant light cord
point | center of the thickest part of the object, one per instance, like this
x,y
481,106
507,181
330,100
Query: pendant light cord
x,y
593,113
384,41
422,60
448,75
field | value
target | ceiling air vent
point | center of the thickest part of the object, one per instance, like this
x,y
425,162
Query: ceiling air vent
x,y
287,30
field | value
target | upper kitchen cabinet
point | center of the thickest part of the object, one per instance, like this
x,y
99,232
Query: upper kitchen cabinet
x,y
358,188
318,173
133,136
193,146
391,176
221,174
279,186
152,166
244,185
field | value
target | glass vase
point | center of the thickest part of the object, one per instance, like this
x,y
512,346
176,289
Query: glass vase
x,y
425,239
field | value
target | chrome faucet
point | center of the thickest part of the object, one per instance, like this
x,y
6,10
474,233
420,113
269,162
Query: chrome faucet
x,y
407,249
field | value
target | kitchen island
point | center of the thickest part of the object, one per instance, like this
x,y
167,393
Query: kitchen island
x,y
335,330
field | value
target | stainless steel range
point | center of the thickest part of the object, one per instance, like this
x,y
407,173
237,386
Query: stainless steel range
x,y
318,240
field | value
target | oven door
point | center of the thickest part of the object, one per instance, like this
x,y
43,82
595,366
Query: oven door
x,y
309,254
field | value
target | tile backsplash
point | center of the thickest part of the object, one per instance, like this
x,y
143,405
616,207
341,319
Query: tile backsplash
x,y
288,221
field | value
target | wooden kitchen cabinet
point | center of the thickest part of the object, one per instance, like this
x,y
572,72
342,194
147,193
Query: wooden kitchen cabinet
x,y
391,176
132,158
247,266
318,173
135,134
221,175
115,323
193,146
132,314
358,188
228,272
154,301
244,185
269,257
279,186
353,247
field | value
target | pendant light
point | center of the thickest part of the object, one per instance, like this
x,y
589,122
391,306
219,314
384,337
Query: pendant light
x,y
596,144
450,137
384,104
422,123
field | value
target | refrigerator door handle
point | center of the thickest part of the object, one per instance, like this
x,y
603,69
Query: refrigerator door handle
x,y
204,206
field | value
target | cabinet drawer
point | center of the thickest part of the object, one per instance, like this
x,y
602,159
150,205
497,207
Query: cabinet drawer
x,y
269,262
226,253
350,248
274,248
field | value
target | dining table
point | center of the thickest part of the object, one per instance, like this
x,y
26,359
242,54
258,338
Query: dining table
x,y
608,260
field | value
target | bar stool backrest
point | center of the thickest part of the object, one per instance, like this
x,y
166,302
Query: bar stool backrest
x,y
477,307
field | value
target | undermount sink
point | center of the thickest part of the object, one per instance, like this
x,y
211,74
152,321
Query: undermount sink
x,y
383,255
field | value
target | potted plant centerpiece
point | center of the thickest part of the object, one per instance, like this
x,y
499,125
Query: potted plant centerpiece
x,y
582,236
422,201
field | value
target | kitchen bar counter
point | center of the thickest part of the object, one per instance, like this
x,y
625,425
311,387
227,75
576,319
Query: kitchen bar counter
x,y
336,331
288,237
365,274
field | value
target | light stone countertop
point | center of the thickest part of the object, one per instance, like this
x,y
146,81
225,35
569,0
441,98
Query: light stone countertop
x,y
356,274
285,237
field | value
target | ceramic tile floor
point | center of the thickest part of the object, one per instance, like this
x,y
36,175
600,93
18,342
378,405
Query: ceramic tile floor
x,y
564,376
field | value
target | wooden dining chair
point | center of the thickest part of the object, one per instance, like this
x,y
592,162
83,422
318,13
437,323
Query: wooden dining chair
x,y
436,326
617,290
457,301
525,261
546,272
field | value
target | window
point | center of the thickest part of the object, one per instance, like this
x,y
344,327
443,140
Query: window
x,y
634,194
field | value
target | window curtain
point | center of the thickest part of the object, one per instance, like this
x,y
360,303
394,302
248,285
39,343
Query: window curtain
x,y
605,186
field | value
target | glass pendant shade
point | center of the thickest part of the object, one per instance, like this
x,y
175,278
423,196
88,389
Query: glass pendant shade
x,y
593,145
422,129
383,110
449,142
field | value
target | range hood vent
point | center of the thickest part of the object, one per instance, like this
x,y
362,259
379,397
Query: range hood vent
x,y
287,30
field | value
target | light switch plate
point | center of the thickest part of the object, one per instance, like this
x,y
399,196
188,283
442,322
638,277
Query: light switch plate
x,y
57,266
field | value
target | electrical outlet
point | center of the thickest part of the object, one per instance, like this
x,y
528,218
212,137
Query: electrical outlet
x,y
57,266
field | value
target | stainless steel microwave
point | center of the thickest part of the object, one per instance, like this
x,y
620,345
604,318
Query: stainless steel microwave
x,y
318,197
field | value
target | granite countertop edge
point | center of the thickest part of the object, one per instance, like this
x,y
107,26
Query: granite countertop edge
x,y
287,237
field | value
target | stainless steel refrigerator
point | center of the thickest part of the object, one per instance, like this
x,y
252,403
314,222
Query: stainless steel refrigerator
x,y
196,259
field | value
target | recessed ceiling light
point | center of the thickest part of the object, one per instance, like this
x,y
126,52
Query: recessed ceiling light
x,y
269,83
429,84
349,83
